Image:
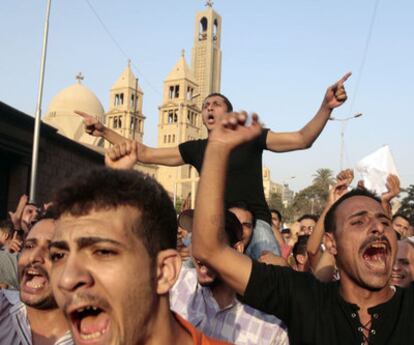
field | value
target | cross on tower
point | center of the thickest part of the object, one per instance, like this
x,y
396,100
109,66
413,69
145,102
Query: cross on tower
x,y
209,3
79,77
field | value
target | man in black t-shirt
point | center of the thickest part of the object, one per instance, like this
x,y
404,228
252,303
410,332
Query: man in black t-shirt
x,y
244,180
359,309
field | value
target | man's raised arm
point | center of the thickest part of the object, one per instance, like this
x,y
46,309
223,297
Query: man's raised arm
x,y
335,96
208,245
169,156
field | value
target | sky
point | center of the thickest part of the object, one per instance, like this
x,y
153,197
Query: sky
x,y
278,58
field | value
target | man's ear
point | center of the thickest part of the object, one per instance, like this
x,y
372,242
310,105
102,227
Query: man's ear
x,y
330,243
239,246
168,268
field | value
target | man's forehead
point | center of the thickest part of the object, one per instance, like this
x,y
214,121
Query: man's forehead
x,y
113,223
401,220
44,228
213,99
358,204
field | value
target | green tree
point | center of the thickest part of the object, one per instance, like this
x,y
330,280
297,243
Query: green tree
x,y
276,202
407,204
312,199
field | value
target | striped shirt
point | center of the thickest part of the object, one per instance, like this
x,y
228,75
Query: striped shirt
x,y
14,325
237,323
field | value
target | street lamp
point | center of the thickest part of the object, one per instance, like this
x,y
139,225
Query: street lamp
x,y
343,121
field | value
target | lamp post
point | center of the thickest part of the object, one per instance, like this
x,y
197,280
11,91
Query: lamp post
x,y
36,134
343,121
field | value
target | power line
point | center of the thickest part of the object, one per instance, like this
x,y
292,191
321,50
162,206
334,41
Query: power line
x,y
364,55
120,47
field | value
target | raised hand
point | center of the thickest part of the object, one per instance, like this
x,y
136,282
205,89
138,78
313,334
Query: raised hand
x,y
15,244
16,216
122,156
335,94
393,188
92,124
233,130
343,180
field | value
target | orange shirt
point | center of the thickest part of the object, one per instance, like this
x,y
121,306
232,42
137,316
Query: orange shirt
x,y
198,337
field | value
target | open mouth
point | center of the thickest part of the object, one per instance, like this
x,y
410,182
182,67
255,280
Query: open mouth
x,y
210,119
34,279
375,256
90,324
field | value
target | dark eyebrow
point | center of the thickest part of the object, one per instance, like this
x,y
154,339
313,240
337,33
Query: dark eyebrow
x,y
59,245
84,242
90,241
363,213
358,214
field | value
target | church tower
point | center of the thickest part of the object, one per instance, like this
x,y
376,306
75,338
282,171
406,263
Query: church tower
x,y
179,121
206,53
125,106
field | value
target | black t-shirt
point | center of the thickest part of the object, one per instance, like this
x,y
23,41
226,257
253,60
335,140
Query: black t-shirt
x,y
244,175
315,313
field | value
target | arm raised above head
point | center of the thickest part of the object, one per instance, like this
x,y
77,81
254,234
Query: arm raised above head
x,y
335,96
208,241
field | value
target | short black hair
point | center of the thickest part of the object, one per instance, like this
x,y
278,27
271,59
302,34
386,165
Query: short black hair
x,y
400,215
243,206
233,228
273,210
225,99
314,217
300,247
104,188
7,227
329,222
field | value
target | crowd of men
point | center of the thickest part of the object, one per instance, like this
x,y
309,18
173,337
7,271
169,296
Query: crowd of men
x,y
109,261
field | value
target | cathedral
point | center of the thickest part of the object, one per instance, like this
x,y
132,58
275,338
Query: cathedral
x,y
179,118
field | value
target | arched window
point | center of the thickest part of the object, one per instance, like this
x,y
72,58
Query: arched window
x,y
203,29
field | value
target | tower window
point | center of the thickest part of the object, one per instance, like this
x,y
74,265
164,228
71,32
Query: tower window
x,y
170,116
171,92
203,29
134,101
165,139
173,138
175,116
119,99
115,122
177,91
215,27
189,95
169,138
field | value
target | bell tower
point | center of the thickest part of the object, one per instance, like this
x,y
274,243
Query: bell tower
x,y
179,121
206,53
125,106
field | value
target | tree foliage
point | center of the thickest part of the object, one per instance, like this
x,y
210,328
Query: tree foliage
x,y
407,204
312,199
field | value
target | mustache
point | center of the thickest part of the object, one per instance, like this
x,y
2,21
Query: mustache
x,y
38,268
85,298
374,238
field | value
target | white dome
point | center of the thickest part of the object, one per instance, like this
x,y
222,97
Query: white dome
x,y
60,113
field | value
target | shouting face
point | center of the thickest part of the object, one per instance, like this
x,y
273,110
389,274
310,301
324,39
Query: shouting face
x,y
214,108
103,277
402,272
365,241
35,266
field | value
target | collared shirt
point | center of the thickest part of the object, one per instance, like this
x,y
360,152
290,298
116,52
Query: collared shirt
x,y
316,313
237,323
14,325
